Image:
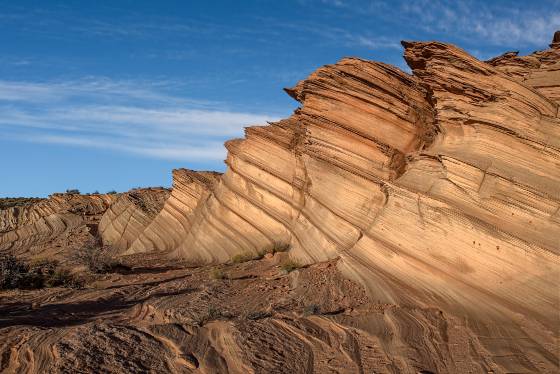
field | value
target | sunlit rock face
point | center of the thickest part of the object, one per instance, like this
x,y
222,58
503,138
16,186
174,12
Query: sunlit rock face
x,y
171,227
438,190
446,181
129,216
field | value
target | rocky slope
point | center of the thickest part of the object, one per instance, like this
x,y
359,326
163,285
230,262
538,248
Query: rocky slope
x,y
53,228
442,181
129,216
437,194
172,225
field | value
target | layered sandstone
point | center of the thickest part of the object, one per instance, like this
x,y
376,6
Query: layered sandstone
x,y
438,191
129,215
48,227
172,225
539,70
445,183
461,154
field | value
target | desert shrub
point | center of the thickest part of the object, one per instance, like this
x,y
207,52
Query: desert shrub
x,y
258,315
281,247
218,274
15,273
214,313
278,247
290,265
247,256
244,257
102,264
63,278
311,309
210,315
12,272
10,202
261,254
73,191
112,192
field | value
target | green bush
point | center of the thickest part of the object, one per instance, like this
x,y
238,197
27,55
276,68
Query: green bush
x,y
281,247
277,248
12,272
63,278
247,256
102,264
211,314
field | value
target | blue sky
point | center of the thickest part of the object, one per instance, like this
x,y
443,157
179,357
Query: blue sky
x,y
114,94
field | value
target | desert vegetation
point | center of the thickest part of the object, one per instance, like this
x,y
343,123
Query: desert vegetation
x,y
249,256
15,273
10,202
290,265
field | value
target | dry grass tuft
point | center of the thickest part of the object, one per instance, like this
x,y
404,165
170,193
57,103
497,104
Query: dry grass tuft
x,y
290,265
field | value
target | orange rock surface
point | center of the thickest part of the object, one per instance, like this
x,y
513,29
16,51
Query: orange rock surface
x,y
438,192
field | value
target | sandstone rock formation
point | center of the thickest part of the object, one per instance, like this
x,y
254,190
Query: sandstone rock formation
x,y
438,192
172,225
463,154
445,183
129,215
52,227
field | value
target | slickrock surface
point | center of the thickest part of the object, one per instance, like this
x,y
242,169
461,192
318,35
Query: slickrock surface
x,y
172,225
52,228
539,70
257,320
127,217
426,207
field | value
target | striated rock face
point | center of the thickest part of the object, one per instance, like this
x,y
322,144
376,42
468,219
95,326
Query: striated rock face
x,y
439,192
437,188
171,226
540,70
461,155
51,226
129,215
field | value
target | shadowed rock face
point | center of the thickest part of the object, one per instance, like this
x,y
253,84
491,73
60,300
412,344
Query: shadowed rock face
x,y
438,190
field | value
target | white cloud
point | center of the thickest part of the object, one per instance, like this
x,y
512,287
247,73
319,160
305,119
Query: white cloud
x,y
210,151
339,36
120,116
487,23
93,88
515,24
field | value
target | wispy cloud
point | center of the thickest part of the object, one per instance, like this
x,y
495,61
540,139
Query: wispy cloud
x,y
120,116
504,24
335,36
512,24
95,89
14,61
